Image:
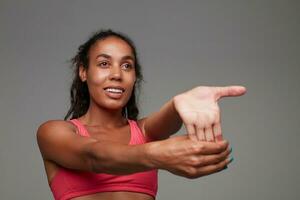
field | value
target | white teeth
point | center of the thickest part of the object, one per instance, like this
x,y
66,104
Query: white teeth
x,y
114,90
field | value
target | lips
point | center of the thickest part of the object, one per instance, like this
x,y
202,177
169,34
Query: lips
x,y
114,92
115,88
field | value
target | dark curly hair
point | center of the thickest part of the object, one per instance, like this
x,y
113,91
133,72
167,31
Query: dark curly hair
x,y
80,98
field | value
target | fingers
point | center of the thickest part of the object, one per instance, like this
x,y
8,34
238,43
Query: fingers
x,y
210,169
217,132
215,158
209,164
208,148
191,132
209,135
229,91
200,134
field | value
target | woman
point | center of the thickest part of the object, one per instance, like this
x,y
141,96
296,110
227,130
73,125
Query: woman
x,y
105,152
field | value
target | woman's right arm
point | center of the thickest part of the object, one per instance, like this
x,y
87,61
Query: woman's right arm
x,y
58,142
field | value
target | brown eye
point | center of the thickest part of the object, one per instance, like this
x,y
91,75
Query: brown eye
x,y
103,64
127,66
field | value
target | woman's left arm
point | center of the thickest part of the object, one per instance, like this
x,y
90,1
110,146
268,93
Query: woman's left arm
x,y
160,125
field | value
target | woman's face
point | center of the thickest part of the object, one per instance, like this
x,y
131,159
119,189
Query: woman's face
x,y
111,73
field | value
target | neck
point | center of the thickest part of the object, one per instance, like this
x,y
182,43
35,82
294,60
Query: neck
x,y
99,116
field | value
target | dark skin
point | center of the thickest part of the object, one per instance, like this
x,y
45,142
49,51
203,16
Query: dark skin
x,y
111,63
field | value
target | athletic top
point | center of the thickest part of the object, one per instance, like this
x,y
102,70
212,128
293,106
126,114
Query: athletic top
x,y
68,183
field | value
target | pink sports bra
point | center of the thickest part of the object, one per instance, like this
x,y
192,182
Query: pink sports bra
x,y
68,183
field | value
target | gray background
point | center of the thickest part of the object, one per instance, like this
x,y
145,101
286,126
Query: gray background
x,y
181,45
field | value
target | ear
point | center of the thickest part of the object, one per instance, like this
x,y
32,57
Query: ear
x,y
82,73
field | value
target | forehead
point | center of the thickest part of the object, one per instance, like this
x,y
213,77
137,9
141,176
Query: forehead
x,y
112,46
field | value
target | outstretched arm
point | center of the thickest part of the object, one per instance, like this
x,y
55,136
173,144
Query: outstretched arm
x,y
59,143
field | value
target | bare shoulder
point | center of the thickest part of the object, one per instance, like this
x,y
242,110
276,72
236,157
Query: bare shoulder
x,y
53,130
59,143
55,124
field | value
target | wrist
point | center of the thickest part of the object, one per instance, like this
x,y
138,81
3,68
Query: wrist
x,y
173,103
152,159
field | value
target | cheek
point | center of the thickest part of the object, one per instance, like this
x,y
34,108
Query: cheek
x,y
96,78
131,83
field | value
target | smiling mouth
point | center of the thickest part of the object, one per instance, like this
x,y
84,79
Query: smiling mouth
x,y
115,90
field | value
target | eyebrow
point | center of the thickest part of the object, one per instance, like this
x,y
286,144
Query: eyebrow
x,y
108,56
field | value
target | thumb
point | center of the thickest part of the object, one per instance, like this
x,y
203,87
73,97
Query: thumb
x,y
229,91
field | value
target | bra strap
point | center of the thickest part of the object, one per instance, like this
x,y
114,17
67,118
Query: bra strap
x,y
138,136
80,128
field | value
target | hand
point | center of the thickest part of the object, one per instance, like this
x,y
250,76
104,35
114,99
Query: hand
x,y
200,113
185,157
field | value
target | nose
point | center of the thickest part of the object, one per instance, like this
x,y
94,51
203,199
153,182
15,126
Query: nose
x,y
115,73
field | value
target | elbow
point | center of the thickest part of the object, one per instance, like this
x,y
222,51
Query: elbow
x,y
94,159
100,158
93,164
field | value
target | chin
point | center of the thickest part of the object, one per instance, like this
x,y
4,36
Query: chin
x,y
114,105
110,103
